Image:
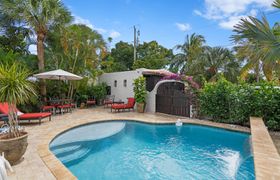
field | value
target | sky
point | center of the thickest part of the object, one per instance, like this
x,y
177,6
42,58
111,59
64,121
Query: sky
x,y
168,21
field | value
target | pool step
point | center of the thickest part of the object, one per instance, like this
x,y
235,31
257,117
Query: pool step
x,y
68,154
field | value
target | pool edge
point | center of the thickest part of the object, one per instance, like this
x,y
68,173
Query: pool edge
x,y
266,157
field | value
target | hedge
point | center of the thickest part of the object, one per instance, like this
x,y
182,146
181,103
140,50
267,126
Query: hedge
x,y
235,103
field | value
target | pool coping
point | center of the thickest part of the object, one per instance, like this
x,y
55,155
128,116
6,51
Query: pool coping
x,y
266,157
61,172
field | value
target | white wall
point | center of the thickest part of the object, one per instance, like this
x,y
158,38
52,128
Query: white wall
x,y
121,92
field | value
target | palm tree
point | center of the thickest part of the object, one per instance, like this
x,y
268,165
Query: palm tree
x,y
217,60
40,16
189,51
15,89
259,44
76,48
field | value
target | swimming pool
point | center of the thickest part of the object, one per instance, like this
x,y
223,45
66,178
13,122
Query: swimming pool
x,y
134,150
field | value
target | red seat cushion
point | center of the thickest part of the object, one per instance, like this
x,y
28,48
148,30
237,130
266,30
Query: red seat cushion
x,y
47,107
34,115
118,106
108,102
4,108
65,106
91,102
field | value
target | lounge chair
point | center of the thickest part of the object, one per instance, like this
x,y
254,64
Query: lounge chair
x,y
48,108
129,105
64,108
91,102
4,109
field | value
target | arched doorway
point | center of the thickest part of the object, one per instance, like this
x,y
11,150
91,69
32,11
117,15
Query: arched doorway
x,y
171,99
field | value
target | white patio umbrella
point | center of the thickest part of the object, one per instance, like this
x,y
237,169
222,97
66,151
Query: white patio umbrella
x,y
58,74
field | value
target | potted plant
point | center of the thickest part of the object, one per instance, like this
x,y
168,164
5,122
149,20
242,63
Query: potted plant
x,y
83,100
14,89
140,93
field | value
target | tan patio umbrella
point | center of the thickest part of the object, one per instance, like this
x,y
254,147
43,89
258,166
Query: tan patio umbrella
x,y
58,74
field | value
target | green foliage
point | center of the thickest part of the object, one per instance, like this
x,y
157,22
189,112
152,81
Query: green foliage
x,y
204,62
37,14
27,60
149,55
57,89
76,48
99,91
267,105
8,57
15,89
14,86
87,91
215,61
188,53
276,4
13,37
140,89
152,56
231,103
120,59
259,45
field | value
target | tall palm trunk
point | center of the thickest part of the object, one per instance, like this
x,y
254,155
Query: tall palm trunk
x,y
41,62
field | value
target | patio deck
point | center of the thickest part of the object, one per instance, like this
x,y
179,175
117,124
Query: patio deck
x,y
40,163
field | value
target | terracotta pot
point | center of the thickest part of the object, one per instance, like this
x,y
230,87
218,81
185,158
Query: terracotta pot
x,y
141,107
14,148
83,105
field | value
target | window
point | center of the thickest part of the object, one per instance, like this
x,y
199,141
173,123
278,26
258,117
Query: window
x,y
115,83
125,83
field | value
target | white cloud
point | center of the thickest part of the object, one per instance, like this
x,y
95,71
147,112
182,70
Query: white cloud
x,y
114,34
183,26
230,22
80,20
228,12
111,33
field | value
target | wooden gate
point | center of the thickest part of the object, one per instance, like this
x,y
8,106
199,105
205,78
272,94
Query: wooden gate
x,y
171,99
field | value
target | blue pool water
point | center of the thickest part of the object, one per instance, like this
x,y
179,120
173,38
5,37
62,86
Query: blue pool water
x,y
131,150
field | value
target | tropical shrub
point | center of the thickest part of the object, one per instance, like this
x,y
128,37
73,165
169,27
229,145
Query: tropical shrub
x,y
99,91
267,105
140,89
235,103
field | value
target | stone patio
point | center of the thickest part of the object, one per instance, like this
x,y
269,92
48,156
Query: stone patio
x,y
40,163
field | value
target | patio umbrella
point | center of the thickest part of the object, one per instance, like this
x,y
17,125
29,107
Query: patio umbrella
x,y
58,74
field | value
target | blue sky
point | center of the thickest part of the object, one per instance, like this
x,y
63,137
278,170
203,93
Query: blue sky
x,y
168,21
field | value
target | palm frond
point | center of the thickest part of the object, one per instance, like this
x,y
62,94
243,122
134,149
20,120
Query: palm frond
x,y
276,4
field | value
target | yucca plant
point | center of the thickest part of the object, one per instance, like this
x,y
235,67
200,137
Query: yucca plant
x,y
15,89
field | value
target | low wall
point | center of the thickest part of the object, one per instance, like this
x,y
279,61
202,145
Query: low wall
x,y
266,157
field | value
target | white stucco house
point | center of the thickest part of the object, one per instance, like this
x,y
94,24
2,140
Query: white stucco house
x,y
120,84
